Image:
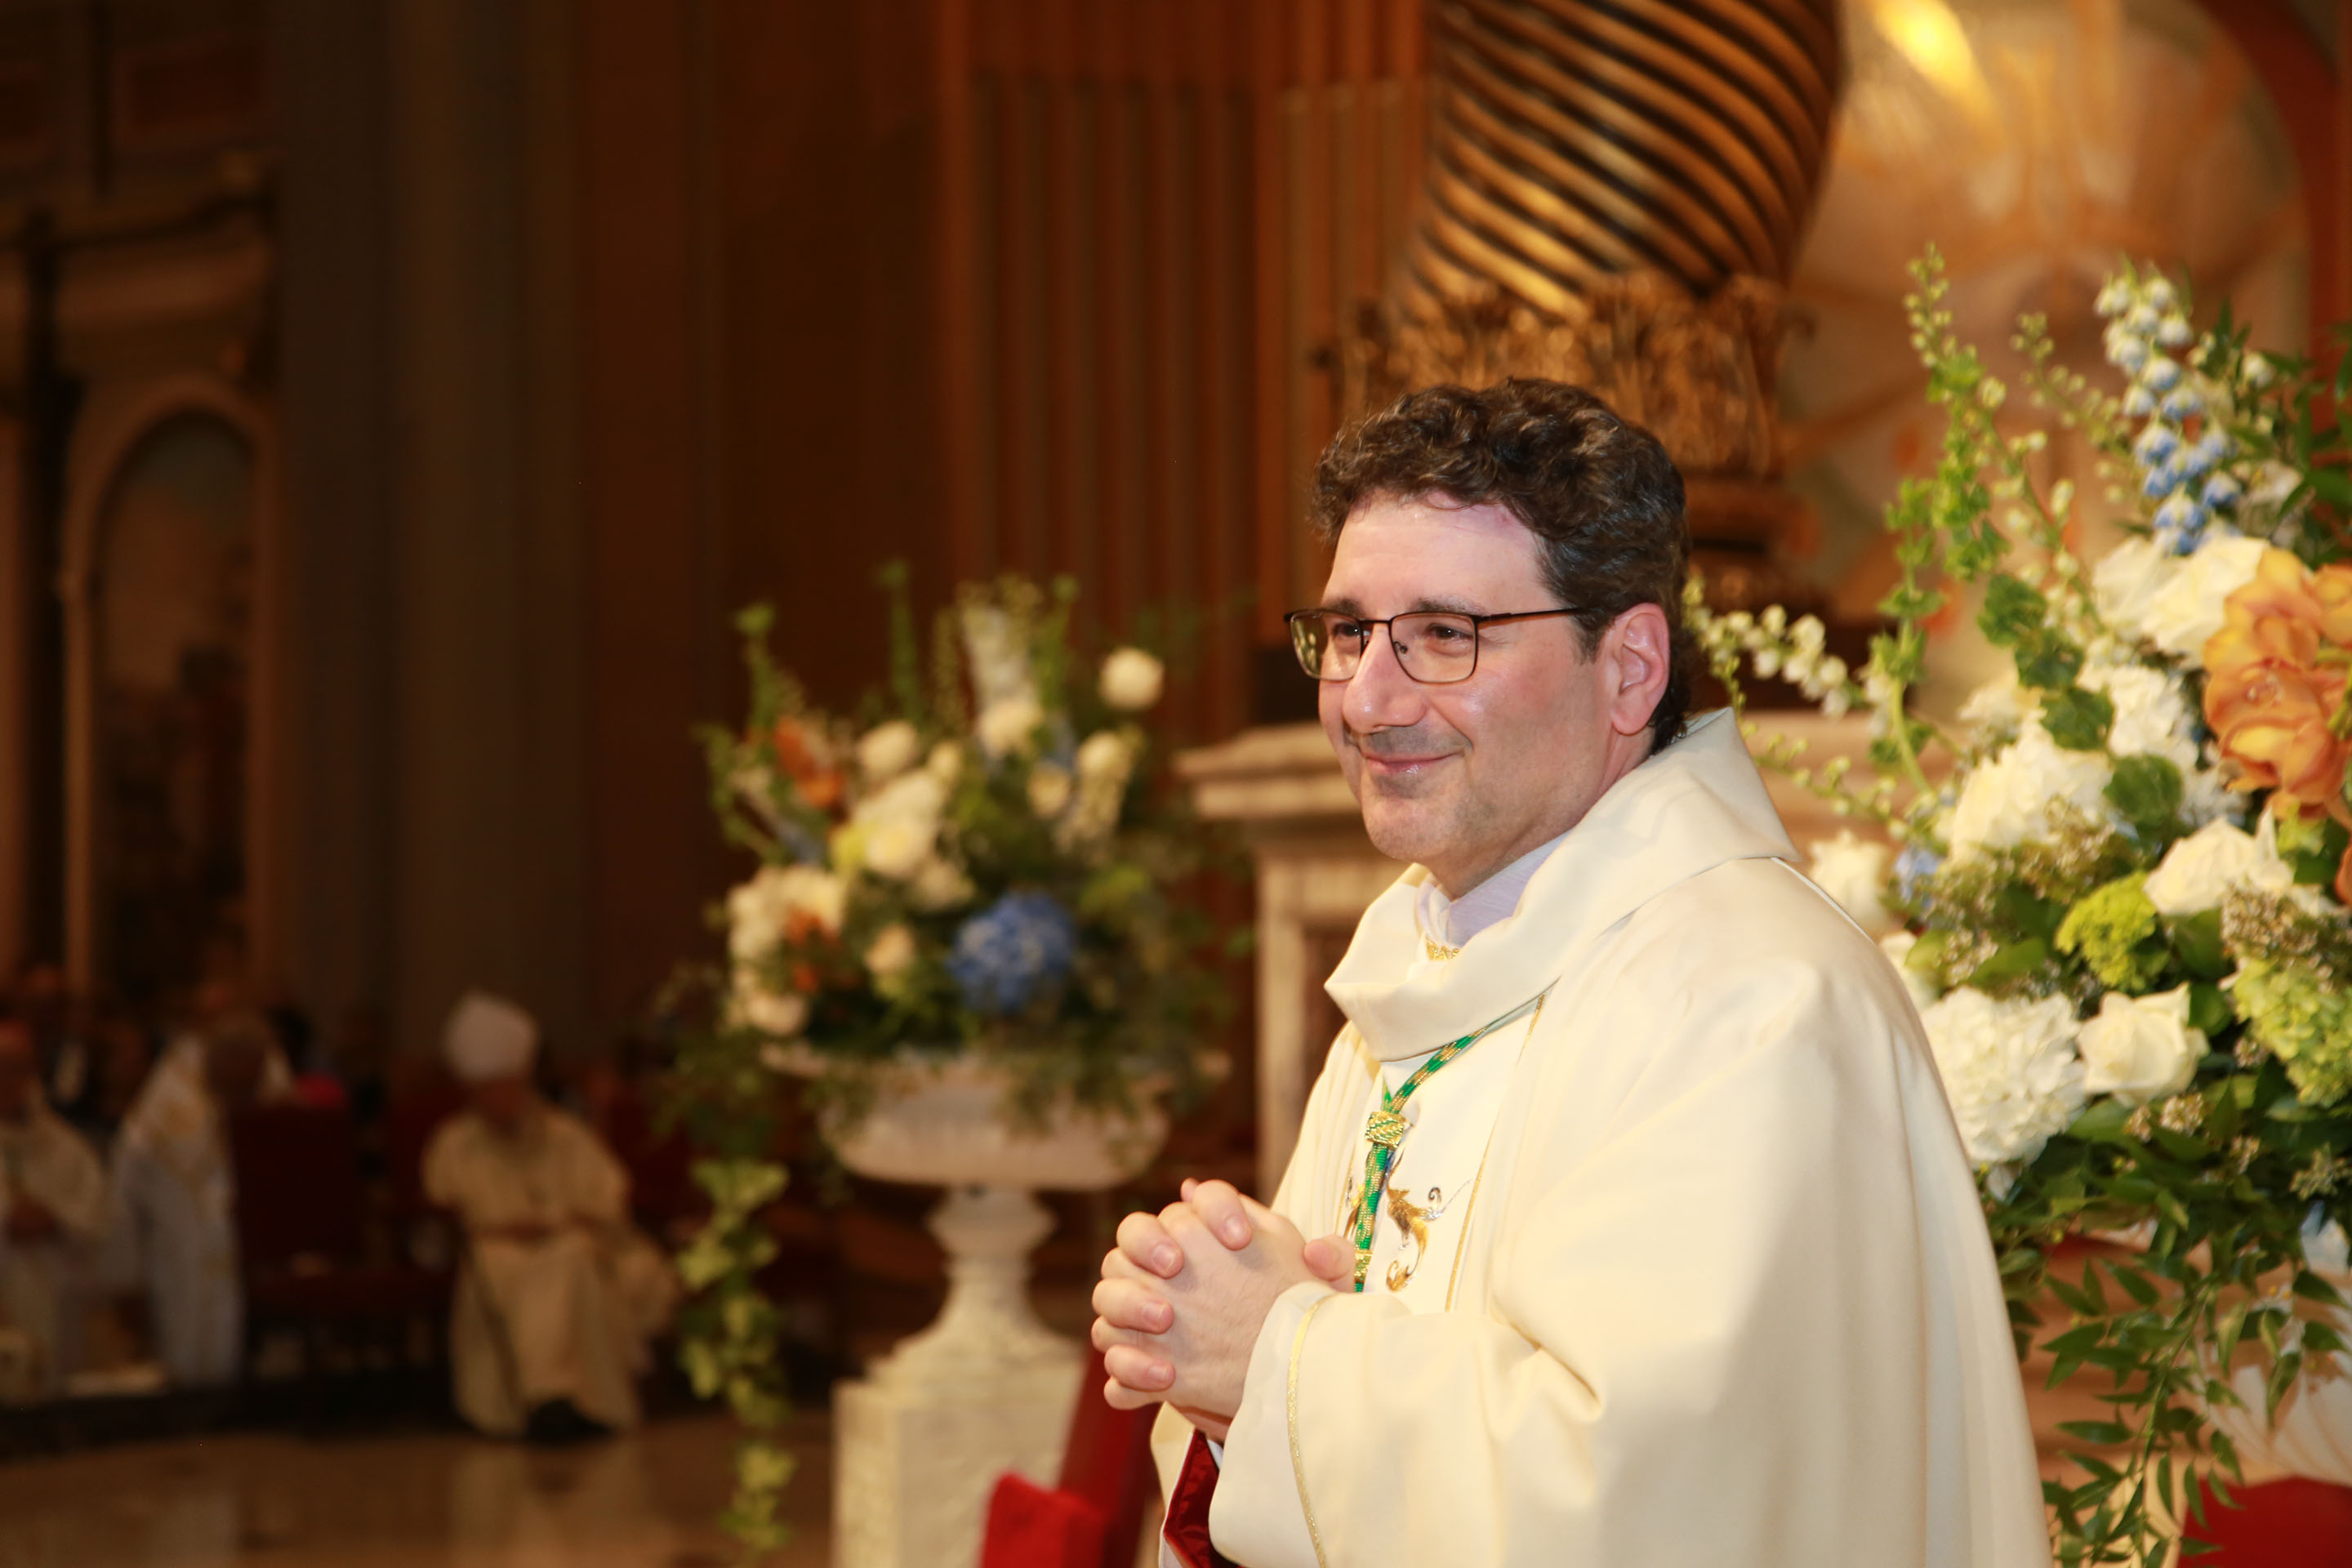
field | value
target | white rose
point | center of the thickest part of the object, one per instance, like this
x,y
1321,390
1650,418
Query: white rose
x,y
2197,872
2009,1069
1131,680
2125,582
1898,945
1049,790
888,750
891,952
916,798
2200,870
2141,1048
761,912
1006,725
898,848
1854,872
939,884
2189,609
782,1013
1105,757
2008,799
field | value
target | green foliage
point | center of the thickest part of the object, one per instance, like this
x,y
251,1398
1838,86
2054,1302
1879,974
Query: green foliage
x,y
2145,790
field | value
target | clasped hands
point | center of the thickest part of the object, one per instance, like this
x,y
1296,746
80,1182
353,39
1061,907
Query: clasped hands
x,y
1185,1292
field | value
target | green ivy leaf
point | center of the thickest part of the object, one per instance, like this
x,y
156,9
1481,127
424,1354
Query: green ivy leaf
x,y
2012,961
2079,720
2147,790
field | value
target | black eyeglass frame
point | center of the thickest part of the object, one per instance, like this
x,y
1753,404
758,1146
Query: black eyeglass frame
x,y
1478,624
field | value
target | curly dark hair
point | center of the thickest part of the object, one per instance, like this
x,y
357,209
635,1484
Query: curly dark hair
x,y
1601,495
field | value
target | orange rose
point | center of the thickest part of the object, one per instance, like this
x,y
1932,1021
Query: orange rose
x,y
2274,680
2274,720
805,761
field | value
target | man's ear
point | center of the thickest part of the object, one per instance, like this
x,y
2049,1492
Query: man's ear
x,y
1637,657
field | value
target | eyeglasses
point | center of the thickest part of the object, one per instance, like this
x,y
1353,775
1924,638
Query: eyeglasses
x,y
1436,647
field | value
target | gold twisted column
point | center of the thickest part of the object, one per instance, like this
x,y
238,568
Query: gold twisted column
x,y
1573,141
1615,194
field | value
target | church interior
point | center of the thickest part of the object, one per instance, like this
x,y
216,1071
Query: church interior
x,y
400,400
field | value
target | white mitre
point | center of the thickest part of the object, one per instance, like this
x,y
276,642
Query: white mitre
x,y
488,1037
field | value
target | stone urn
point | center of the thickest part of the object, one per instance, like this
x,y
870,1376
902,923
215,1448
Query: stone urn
x,y
922,1437
2311,1436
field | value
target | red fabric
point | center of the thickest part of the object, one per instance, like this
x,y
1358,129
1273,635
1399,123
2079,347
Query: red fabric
x,y
1187,1528
2279,1524
320,1092
1030,1526
1107,1461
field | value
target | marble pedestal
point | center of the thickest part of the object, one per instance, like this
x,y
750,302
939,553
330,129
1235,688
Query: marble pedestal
x,y
921,1439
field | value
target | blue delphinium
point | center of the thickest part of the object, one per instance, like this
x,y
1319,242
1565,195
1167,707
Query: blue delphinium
x,y
1913,866
1009,950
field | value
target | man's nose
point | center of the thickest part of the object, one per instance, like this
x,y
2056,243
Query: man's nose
x,y
1381,695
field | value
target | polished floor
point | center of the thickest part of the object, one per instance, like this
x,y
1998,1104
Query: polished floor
x,y
440,1499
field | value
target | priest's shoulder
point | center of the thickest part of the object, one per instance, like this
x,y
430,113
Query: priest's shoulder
x,y
1749,919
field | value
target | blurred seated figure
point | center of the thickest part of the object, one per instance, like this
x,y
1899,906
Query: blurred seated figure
x,y
52,1209
560,1293
176,1194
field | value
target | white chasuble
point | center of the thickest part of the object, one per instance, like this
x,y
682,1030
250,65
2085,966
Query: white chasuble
x,y
43,1159
1724,1294
564,1317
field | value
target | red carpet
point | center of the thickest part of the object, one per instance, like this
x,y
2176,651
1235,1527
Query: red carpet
x,y
2281,1524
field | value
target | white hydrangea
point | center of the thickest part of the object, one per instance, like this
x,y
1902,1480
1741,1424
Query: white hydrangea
x,y
939,884
2009,1069
2000,706
781,1013
2153,718
1050,785
2139,1048
2189,609
1854,870
2008,798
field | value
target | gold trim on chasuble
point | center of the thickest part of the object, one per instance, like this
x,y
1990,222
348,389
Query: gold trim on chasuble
x,y
1298,1455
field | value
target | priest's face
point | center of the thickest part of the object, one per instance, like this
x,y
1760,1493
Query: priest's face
x,y
1466,777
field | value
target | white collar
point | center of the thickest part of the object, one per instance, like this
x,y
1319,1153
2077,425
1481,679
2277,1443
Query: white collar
x,y
1692,806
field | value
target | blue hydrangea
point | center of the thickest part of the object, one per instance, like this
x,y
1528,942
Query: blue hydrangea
x,y
1010,950
2221,490
2213,448
1913,866
2182,402
2160,482
2139,402
2161,373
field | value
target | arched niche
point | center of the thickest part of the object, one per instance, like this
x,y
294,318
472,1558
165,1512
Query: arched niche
x,y
167,584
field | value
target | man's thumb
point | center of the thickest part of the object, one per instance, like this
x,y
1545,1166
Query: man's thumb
x,y
1332,1260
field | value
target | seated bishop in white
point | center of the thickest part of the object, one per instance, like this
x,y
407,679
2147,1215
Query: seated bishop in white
x,y
560,1293
1646,1235
52,1215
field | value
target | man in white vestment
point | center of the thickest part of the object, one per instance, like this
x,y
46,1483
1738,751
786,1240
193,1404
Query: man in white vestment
x,y
52,1211
176,1191
560,1293
1646,1234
